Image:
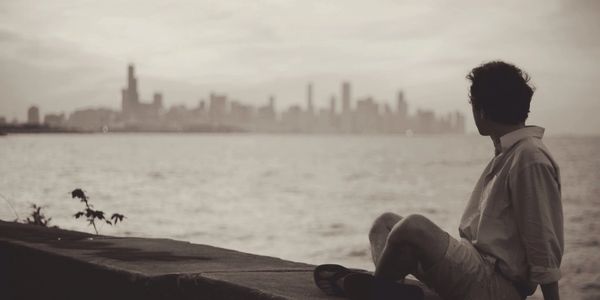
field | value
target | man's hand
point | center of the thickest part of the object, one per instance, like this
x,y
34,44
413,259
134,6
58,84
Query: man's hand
x,y
550,291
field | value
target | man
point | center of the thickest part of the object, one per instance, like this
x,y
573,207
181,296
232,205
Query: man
x,y
512,227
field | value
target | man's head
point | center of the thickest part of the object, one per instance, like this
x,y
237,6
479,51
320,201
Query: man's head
x,y
499,95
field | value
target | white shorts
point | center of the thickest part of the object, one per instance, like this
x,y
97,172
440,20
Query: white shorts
x,y
463,273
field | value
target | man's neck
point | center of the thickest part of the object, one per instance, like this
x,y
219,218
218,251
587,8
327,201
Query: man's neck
x,y
500,130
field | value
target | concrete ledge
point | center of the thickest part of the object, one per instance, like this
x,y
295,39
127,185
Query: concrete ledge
x,y
46,263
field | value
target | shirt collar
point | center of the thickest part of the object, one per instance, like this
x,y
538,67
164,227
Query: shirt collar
x,y
511,138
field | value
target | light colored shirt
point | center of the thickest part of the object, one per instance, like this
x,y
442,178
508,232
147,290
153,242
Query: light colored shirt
x,y
514,216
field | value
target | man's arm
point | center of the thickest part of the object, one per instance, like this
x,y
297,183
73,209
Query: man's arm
x,y
550,291
535,195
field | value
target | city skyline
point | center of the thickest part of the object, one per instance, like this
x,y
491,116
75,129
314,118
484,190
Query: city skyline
x,y
60,54
219,113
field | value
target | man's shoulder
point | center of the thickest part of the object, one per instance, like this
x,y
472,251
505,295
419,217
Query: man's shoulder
x,y
532,151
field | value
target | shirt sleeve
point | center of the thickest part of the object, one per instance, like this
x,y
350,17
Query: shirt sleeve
x,y
535,196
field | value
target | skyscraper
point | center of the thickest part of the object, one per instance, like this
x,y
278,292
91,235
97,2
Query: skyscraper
x,y
33,115
332,105
309,99
133,109
217,109
157,100
402,105
272,102
130,97
345,97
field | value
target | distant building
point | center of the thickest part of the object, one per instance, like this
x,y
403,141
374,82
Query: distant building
x,y
402,106
157,100
266,113
55,120
199,114
332,105
309,99
2,121
426,122
217,110
95,119
456,122
333,117
33,115
309,117
265,119
401,124
272,103
240,114
347,118
132,109
346,97
178,117
201,105
292,119
388,120
130,96
367,116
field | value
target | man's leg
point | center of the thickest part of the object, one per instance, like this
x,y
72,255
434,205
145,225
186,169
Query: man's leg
x,y
382,226
397,244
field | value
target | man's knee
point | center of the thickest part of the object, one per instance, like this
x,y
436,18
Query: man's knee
x,y
424,236
384,224
411,229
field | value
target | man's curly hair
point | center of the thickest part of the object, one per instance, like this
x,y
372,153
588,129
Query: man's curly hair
x,y
501,91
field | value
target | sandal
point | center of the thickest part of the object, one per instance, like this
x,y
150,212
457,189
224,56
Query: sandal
x,y
327,276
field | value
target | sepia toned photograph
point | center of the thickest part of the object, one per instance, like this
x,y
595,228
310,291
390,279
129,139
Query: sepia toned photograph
x,y
286,149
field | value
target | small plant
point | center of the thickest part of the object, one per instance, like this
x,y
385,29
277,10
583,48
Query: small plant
x,y
91,214
37,217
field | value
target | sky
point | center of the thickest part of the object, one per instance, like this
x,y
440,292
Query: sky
x,y
63,55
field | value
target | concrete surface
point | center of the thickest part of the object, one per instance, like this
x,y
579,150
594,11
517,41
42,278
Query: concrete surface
x,y
38,262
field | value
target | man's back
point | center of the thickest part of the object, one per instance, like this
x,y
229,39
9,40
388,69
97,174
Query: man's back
x,y
514,216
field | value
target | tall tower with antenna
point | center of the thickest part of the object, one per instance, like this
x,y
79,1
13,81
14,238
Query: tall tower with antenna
x,y
130,96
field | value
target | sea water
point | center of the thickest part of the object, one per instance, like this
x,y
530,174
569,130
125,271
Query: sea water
x,y
307,198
